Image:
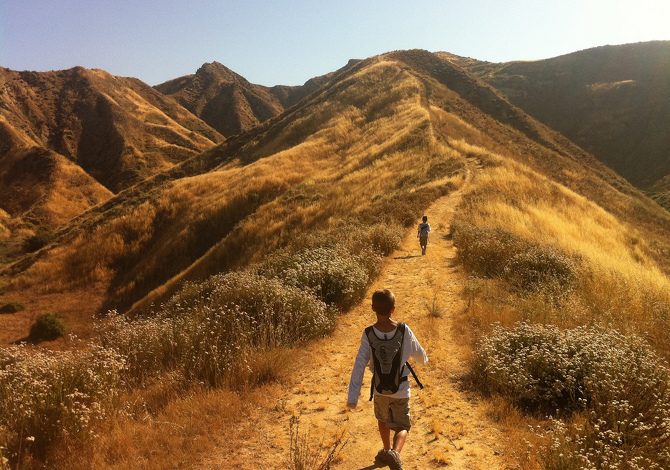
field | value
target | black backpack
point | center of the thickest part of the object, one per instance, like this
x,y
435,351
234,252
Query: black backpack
x,y
386,357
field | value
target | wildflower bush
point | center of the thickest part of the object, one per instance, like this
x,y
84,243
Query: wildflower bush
x,y
46,395
619,385
333,275
209,329
277,314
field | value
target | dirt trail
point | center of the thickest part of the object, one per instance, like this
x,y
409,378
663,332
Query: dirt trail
x,y
450,428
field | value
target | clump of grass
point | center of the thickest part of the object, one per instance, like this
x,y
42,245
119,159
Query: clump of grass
x,y
434,308
47,395
47,327
305,455
11,307
617,383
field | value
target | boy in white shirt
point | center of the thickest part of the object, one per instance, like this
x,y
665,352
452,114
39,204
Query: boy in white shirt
x,y
386,347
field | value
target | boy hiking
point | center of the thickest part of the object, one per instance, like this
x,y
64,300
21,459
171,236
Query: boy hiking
x,y
422,234
386,347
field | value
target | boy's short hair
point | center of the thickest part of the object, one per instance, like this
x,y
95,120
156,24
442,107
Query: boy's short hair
x,y
425,218
383,302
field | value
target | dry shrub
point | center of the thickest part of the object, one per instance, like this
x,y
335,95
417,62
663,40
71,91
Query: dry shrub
x,y
47,395
617,382
355,237
526,266
304,454
336,277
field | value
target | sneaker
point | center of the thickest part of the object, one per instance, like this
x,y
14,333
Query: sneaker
x,y
382,456
394,460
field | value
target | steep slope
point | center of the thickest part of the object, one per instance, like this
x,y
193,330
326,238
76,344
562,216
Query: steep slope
x,y
39,188
660,192
118,130
230,103
223,99
614,101
382,140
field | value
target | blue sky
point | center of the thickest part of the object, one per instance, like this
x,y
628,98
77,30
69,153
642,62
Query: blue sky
x,y
287,42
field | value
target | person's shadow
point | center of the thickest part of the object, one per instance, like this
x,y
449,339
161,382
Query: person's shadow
x,y
404,257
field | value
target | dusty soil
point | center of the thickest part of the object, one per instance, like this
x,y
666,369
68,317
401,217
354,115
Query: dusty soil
x,y
450,426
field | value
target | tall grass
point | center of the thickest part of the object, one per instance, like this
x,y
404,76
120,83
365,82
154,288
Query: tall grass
x,y
541,238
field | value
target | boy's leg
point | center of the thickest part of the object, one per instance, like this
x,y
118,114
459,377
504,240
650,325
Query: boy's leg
x,y
399,439
385,433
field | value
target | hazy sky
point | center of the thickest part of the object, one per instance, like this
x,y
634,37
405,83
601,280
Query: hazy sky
x,y
287,42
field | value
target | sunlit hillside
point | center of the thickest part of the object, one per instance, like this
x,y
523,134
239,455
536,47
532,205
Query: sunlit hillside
x,y
277,230
352,150
118,129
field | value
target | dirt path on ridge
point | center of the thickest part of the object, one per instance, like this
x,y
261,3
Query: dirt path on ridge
x,y
450,428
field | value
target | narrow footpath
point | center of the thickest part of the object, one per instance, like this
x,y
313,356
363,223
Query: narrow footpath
x,y
450,426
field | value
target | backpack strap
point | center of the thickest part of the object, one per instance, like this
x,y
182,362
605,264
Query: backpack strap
x,y
409,367
418,382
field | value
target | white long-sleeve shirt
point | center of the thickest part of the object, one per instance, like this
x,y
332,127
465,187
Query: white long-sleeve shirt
x,y
411,349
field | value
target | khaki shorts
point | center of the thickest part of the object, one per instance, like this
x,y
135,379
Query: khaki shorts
x,y
423,240
393,412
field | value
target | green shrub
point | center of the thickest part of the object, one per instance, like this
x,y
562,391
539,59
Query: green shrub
x,y
11,307
47,327
48,394
620,384
331,274
37,241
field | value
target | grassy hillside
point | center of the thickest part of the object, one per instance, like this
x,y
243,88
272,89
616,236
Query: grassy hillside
x,y
117,129
372,141
303,207
612,100
70,139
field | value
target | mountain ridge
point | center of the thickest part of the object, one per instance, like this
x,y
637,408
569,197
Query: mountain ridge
x,y
612,100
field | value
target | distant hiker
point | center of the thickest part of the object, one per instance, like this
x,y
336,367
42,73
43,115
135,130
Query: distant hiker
x,y
386,347
422,234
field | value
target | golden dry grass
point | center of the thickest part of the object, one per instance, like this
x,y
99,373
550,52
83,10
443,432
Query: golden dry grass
x,y
619,283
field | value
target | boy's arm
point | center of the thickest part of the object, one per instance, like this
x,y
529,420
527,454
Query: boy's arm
x,y
416,351
356,381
